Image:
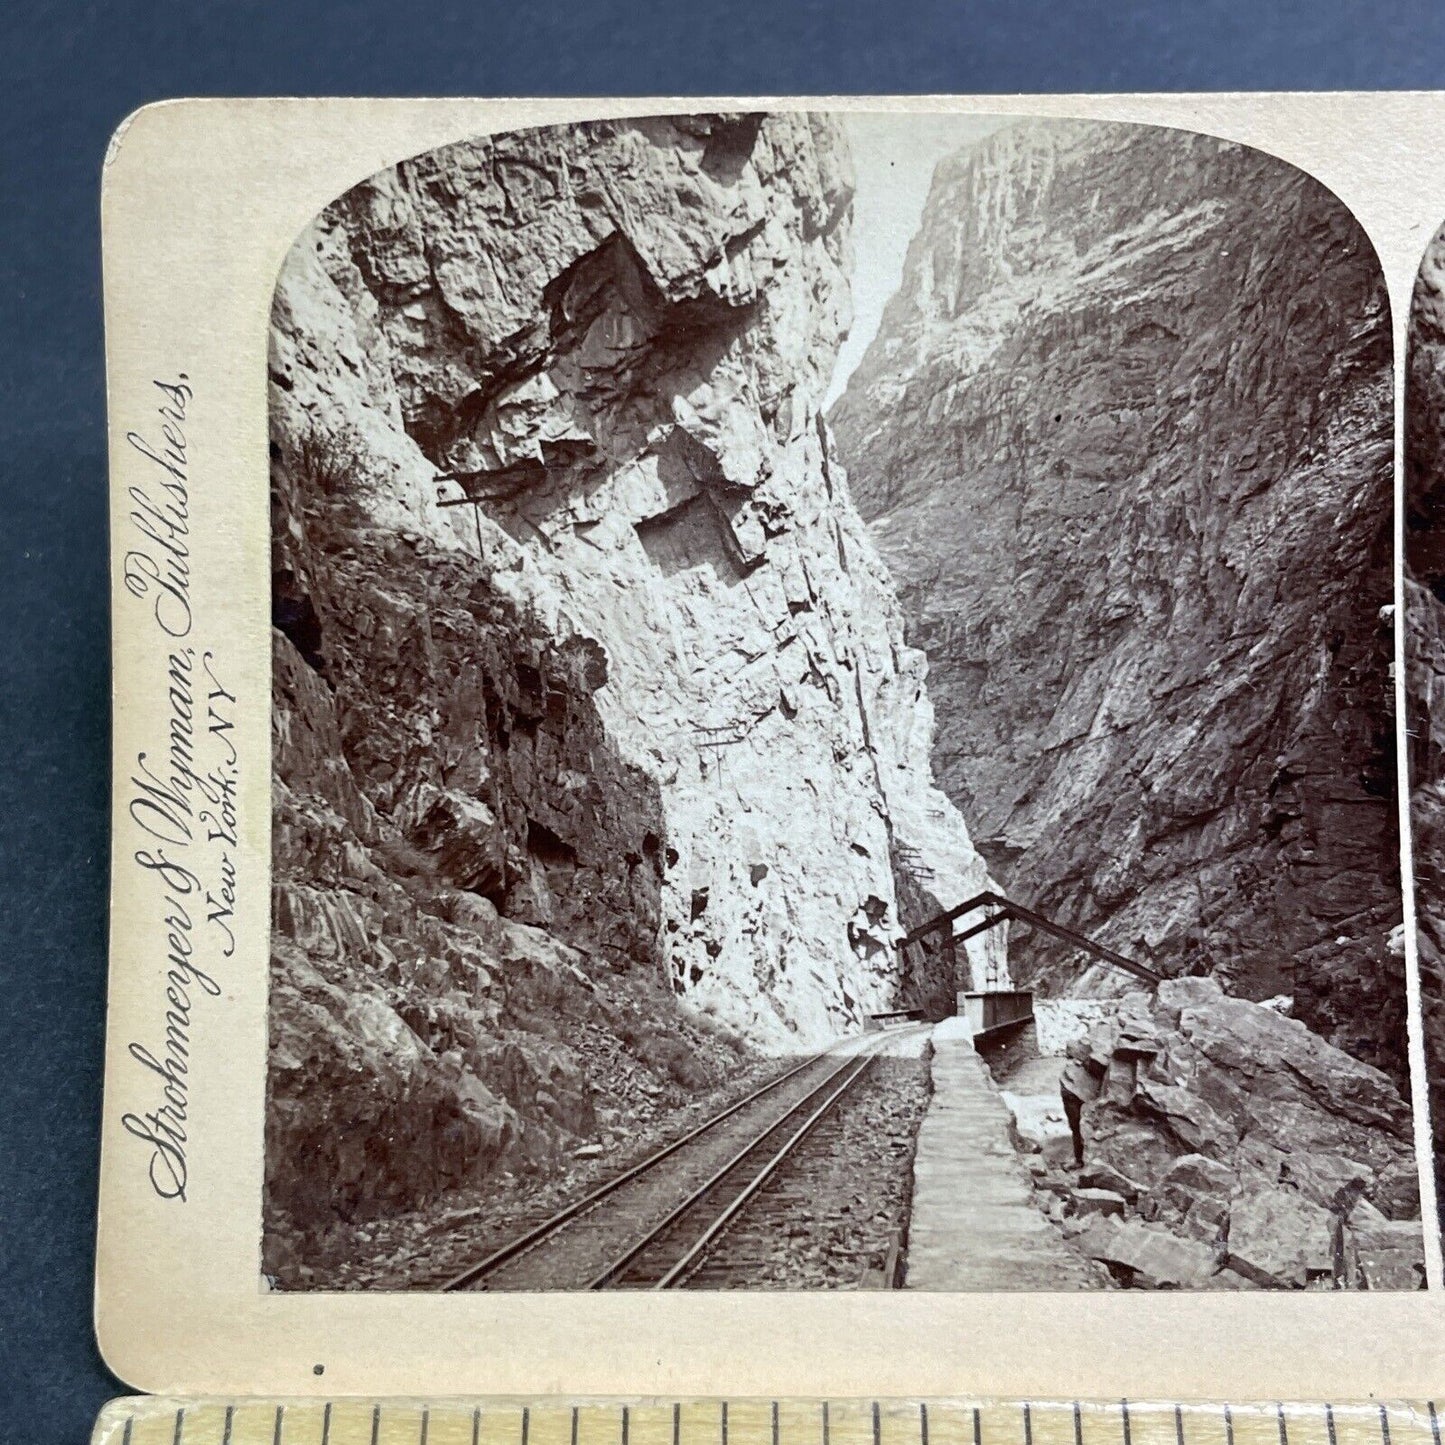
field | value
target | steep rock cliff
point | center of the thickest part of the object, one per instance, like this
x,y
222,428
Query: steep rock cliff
x,y
1124,440
1425,656
634,737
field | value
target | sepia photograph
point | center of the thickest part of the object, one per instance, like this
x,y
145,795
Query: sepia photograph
x,y
832,714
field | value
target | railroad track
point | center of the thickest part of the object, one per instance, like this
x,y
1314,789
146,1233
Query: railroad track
x,y
655,1224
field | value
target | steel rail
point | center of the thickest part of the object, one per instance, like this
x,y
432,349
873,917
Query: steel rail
x,y
685,1266
624,1260
535,1236
638,1246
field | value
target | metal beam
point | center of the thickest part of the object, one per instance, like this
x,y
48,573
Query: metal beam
x,y
1108,955
979,900
1017,911
992,921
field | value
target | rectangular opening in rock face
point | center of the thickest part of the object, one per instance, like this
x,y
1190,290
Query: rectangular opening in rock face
x,y
692,536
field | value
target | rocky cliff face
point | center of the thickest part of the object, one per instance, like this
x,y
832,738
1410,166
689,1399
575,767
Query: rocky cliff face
x,y
626,759
1124,441
1425,656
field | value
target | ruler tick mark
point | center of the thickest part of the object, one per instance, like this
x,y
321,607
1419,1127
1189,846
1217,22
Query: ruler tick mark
x,y
922,1423
1078,1424
1330,1423
1384,1426
1028,1425
280,1421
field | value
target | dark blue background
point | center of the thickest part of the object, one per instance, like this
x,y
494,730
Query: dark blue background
x,y
75,72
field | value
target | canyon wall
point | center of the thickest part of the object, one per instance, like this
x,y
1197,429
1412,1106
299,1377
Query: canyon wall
x,y
1124,440
1425,657
599,755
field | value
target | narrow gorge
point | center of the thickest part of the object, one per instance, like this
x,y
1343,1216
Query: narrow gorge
x,y
598,781
1124,440
637,722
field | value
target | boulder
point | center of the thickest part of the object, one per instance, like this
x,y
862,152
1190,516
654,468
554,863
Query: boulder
x,y
1040,1126
1241,1130
1146,1257
1193,1198
1098,1201
1196,1174
462,833
1100,1175
1396,1190
1386,1254
1278,1238
1232,1081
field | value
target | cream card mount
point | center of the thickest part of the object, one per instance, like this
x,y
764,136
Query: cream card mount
x,y
762,744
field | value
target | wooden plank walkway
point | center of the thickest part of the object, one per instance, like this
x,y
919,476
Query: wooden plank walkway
x,y
975,1225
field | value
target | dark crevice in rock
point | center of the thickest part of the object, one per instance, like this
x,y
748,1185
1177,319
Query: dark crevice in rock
x,y
294,614
729,145
545,846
